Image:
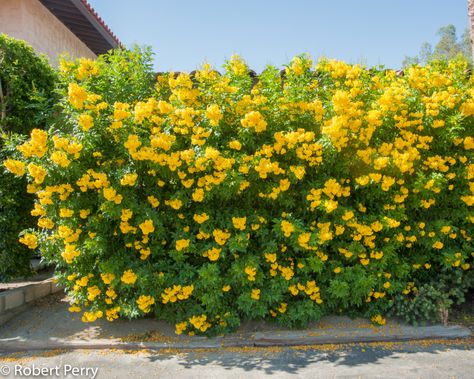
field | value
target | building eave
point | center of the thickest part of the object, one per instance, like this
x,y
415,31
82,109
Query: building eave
x,y
81,19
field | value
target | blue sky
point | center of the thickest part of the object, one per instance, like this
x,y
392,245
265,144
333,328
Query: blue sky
x,y
184,33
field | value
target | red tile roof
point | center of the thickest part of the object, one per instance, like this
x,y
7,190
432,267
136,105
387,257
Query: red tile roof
x,y
101,21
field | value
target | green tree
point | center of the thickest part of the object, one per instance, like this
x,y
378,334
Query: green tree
x,y
27,83
449,46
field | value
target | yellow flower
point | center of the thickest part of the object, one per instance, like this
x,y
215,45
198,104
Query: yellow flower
x,y
271,258
111,293
70,252
198,195
82,282
83,213
93,292
145,302
200,322
239,222
46,223
251,273
129,179
438,245
254,120
235,144
145,253
287,228
85,122
294,290
112,313
15,167
201,218
220,236
154,202
255,294
213,254
87,67
378,319
181,327
107,278
77,95
36,146
30,240
91,316
175,204
330,205
111,195
363,180
66,213
364,261
283,307
298,171
60,158
175,293
147,227
287,273
438,123
128,277
74,308
445,229
38,173
182,244
226,288
337,270
214,114
126,214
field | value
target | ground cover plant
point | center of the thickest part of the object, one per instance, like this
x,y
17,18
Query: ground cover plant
x,y
208,198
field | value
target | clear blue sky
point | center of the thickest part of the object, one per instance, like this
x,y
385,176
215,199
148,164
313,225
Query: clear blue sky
x,y
184,33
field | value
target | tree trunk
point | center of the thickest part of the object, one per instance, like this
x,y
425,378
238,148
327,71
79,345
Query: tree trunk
x,y
470,13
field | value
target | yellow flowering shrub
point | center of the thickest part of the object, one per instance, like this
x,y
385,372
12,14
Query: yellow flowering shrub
x,y
212,198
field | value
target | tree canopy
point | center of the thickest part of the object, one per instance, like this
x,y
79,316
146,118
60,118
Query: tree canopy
x,y
449,46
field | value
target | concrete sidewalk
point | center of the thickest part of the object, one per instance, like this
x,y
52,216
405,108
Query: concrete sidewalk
x,y
49,325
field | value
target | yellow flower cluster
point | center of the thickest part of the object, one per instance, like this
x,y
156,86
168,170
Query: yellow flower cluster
x,y
30,240
200,323
129,277
175,293
239,222
145,302
213,254
254,120
378,319
310,289
14,166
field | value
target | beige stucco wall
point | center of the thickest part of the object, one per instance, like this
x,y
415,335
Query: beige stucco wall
x,y
31,21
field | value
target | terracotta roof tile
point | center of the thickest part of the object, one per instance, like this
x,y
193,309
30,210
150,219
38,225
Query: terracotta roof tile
x,y
101,21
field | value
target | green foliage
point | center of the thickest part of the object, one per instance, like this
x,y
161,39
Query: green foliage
x,y
26,101
26,86
433,300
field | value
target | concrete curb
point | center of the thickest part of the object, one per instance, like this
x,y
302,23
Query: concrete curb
x,y
259,339
17,300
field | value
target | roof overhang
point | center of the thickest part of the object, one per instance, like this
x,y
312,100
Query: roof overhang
x,y
81,19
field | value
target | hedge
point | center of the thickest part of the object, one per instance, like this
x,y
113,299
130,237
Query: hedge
x,y
206,199
27,83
